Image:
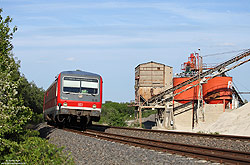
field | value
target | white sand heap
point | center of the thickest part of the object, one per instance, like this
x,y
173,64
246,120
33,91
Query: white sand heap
x,y
235,122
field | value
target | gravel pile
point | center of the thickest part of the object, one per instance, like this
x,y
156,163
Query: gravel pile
x,y
87,150
192,140
235,122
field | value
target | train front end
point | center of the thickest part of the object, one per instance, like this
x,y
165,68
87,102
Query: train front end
x,y
79,98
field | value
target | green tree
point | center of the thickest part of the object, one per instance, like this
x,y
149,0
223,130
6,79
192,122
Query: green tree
x,y
116,114
32,95
16,142
13,115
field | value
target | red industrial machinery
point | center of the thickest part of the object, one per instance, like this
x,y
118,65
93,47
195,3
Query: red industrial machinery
x,y
192,64
187,96
217,90
215,71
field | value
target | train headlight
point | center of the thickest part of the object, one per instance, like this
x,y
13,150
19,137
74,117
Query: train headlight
x,y
65,104
94,106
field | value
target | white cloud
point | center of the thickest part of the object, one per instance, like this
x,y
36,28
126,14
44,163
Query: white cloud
x,y
70,59
79,40
227,44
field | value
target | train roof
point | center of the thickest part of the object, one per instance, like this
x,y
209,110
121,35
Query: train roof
x,y
82,73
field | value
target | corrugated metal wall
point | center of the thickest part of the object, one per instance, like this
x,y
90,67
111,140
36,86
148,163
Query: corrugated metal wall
x,y
152,78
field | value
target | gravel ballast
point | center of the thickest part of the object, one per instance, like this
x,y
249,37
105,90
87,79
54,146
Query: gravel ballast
x,y
227,144
88,150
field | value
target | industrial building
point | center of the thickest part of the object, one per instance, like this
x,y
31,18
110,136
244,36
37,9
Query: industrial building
x,y
151,78
200,93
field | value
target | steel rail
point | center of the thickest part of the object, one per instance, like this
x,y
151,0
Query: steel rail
x,y
201,152
207,153
217,136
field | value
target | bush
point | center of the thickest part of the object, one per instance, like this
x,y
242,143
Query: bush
x,y
35,150
31,149
147,113
36,118
115,114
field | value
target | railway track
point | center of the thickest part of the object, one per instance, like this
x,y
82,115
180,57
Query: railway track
x,y
165,132
195,151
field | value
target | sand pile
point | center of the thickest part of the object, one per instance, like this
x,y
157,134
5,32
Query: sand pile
x,y
236,122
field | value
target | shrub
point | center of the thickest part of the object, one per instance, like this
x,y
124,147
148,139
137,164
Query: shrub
x,y
35,150
115,114
36,118
147,113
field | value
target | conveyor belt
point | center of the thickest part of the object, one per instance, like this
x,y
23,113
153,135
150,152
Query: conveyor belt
x,y
234,90
202,75
238,96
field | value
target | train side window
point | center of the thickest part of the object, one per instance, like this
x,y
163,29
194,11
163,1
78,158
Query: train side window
x,y
56,88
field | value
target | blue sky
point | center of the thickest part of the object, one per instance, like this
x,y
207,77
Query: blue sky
x,y
111,37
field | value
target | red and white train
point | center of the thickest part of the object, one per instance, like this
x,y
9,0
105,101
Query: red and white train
x,y
74,98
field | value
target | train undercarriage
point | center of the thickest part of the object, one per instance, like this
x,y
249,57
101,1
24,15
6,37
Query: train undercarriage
x,y
71,120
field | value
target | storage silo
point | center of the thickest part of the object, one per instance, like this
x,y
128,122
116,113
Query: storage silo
x,y
151,78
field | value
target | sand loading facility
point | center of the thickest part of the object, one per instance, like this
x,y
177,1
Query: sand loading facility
x,y
198,94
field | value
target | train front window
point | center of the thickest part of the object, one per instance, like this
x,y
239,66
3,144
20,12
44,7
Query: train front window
x,y
71,85
80,85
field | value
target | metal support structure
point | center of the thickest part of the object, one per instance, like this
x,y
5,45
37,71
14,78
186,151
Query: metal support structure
x,y
169,112
160,113
195,115
159,118
200,110
140,117
161,98
244,92
235,92
165,116
224,105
